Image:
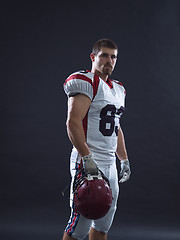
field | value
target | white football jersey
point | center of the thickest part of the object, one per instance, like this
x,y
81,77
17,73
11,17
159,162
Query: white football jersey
x,y
101,122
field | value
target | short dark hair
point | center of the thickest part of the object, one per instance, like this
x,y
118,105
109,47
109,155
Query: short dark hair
x,y
105,42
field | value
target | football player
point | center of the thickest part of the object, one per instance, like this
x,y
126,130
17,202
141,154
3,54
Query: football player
x,y
95,105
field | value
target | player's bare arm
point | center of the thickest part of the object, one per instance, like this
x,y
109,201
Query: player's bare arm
x,y
77,109
121,151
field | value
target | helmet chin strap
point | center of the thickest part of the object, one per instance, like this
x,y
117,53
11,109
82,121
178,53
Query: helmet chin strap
x,y
88,176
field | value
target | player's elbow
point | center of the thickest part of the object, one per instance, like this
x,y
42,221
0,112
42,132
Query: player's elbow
x,y
68,123
71,123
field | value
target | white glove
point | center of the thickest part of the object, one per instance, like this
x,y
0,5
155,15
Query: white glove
x,y
125,171
90,165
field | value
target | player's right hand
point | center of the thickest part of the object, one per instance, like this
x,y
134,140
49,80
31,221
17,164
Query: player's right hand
x,y
90,165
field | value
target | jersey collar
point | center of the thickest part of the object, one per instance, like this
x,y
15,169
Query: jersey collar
x,y
108,82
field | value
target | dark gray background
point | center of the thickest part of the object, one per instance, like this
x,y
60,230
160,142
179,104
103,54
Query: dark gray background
x,y
41,44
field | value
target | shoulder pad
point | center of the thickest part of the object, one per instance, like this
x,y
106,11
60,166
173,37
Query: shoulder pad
x,y
79,82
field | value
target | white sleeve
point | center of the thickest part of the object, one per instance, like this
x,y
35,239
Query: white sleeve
x,y
78,83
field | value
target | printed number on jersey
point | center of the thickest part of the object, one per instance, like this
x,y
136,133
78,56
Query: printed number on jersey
x,y
107,122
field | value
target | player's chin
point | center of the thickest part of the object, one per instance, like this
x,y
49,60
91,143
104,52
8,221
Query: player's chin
x,y
107,71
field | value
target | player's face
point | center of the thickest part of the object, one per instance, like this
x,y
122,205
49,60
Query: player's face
x,y
104,62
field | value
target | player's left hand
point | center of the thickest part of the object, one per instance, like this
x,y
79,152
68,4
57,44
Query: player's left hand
x,y
125,171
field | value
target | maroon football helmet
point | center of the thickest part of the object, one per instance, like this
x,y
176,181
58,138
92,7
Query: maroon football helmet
x,y
93,196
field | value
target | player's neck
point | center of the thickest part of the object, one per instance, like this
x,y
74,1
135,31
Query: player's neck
x,y
104,77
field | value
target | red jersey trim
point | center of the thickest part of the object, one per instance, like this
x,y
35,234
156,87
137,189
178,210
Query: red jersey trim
x,y
109,83
120,84
95,85
117,82
79,76
95,88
